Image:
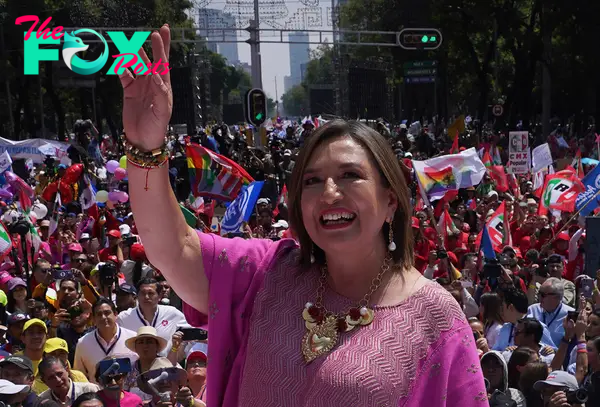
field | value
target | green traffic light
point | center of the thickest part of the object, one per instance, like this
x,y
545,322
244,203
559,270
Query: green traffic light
x,y
424,39
432,39
258,116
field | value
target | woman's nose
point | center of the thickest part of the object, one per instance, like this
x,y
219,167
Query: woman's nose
x,y
331,192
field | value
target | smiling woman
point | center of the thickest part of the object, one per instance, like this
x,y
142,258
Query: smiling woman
x,y
356,326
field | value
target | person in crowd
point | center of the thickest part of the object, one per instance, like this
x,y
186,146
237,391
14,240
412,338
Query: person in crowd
x,y
173,387
72,291
514,308
41,269
164,318
115,247
14,335
195,365
551,310
12,394
34,338
521,357
495,372
556,269
350,210
531,374
61,389
112,393
107,339
528,333
88,400
58,348
39,309
70,328
17,296
126,297
19,370
147,345
76,257
491,311
554,389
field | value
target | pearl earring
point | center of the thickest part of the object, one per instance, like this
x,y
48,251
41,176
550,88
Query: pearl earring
x,y
391,245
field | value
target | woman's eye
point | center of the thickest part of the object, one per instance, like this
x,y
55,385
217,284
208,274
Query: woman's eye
x,y
311,181
351,174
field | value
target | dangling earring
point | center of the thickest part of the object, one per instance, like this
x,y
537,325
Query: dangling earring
x,y
312,254
392,245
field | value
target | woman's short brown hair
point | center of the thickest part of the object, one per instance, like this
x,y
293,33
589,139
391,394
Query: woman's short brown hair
x,y
391,174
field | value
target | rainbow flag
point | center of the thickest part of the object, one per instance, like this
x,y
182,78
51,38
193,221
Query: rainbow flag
x,y
215,176
435,181
449,172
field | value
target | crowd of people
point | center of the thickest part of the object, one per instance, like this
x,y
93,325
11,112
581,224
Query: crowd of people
x,y
90,317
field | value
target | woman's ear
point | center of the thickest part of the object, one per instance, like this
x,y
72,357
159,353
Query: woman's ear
x,y
392,204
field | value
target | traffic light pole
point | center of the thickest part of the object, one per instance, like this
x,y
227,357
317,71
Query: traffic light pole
x,y
255,59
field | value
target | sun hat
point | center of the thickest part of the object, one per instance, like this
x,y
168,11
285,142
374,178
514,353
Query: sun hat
x,y
160,365
146,332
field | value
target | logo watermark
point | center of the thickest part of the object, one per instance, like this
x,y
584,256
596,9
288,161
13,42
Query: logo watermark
x,y
128,56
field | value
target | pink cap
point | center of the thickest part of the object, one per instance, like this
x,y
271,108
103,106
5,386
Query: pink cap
x,y
5,277
75,247
9,265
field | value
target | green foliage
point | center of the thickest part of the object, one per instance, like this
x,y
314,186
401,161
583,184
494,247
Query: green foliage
x,y
295,101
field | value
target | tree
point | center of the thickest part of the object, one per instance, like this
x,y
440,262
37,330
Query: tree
x,y
295,101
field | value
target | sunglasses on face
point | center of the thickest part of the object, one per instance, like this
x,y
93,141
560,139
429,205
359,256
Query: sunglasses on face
x,y
196,363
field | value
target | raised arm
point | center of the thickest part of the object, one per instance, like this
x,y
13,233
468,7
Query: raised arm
x,y
171,246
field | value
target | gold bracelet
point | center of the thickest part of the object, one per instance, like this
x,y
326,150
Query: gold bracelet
x,y
146,159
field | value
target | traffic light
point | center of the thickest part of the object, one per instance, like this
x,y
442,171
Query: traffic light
x,y
420,38
256,107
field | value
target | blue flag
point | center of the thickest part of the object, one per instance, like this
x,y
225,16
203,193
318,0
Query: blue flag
x,y
241,208
589,199
486,245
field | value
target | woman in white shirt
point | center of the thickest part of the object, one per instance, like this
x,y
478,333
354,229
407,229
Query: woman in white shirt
x,y
491,312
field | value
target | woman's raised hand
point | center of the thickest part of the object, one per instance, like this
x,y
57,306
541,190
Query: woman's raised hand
x,y
147,99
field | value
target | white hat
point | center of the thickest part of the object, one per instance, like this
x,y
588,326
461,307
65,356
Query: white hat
x,y
263,201
492,193
124,229
287,153
146,332
84,236
280,224
7,387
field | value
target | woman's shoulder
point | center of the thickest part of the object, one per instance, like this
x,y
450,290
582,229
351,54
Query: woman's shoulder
x,y
237,252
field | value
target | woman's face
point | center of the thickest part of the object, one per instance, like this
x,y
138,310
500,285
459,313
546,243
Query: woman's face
x,y
146,348
20,293
196,367
593,328
344,203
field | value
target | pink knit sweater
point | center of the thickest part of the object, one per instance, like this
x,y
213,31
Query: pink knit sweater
x,y
420,352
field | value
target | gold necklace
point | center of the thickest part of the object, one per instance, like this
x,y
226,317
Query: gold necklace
x,y
324,327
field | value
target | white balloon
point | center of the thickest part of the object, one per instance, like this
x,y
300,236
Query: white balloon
x,y
10,216
40,210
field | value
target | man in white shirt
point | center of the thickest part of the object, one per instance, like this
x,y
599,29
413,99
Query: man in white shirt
x,y
108,339
164,318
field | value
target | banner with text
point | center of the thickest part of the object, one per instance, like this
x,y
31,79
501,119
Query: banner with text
x,y
35,149
519,157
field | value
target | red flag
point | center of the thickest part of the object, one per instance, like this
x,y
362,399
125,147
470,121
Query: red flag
x,y
507,237
577,165
454,149
283,196
499,176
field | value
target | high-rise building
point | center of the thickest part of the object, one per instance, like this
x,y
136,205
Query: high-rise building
x,y
299,57
213,25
